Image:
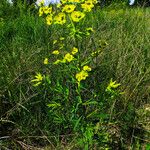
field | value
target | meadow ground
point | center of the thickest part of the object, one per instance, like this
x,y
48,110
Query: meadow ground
x,y
121,37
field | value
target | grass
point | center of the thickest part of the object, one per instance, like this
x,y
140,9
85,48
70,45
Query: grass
x,y
25,40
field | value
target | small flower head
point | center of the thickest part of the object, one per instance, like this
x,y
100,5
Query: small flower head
x,y
81,75
74,50
76,16
64,1
87,68
60,18
47,10
56,52
69,8
49,19
41,11
87,6
68,57
45,61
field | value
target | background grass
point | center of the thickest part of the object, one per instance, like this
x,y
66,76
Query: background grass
x,y
25,41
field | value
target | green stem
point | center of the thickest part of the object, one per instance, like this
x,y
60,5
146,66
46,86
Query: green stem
x,y
74,28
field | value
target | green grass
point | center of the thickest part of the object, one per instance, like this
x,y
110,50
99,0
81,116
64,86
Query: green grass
x,y
25,41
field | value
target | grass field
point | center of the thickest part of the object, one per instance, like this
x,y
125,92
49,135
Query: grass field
x,y
108,110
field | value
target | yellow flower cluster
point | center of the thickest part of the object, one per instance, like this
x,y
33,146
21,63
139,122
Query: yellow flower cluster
x,y
87,6
65,8
71,1
49,19
45,10
76,16
67,58
60,18
83,74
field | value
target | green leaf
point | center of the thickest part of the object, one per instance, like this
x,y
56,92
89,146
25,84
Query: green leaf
x,y
77,123
54,104
148,146
92,113
48,80
89,102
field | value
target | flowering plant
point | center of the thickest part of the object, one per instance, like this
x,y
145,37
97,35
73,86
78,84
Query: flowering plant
x,y
73,105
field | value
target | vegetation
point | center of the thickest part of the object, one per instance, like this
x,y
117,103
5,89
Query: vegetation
x,y
74,79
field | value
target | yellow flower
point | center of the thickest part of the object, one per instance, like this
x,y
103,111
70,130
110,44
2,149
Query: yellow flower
x,y
38,79
74,50
41,12
45,61
59,5
64,1
56,52
47,10
69,8
87,68
77,16
75,1
87,6
60,18
68,57
49,19
81,75
41,3
93,1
